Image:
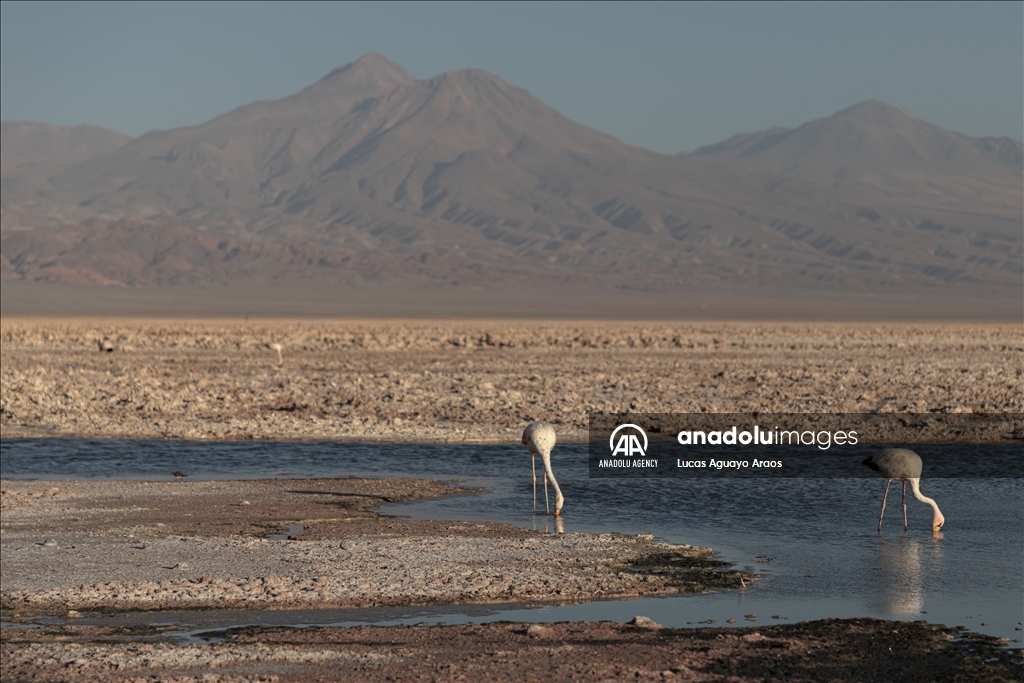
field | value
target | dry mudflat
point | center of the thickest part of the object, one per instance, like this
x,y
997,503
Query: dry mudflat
x,y
477,381
180,545
77,548
828,650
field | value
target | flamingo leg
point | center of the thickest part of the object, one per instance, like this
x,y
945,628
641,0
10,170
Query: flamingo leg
x,y
888,481
904,505
533,462
547,506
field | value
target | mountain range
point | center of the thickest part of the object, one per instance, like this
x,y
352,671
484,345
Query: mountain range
x,y
372,176
24,143
889,151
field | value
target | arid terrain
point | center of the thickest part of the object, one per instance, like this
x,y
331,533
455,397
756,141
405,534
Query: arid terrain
x,y
477,381
71,549
829,650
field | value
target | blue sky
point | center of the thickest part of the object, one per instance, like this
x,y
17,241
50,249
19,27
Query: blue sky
x,y
668,77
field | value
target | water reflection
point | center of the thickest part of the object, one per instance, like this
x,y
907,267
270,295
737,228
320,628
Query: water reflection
x,y
902,574
551,524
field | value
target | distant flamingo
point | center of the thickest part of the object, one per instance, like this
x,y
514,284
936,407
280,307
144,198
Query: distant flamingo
x,y
899,464
539,437
274,346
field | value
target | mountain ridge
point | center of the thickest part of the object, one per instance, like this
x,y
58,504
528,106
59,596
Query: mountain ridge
x,y
469,173
880,148
30,142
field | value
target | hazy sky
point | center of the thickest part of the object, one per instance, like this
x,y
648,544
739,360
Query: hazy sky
x,y
668,77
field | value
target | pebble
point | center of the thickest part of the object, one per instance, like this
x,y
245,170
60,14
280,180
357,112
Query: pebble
x,y
245,502
644,622
535,629
50,543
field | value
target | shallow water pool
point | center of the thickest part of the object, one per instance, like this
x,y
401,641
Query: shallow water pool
x,y
813,540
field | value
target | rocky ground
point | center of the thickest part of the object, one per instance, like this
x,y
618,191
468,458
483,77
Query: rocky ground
x,y
477,381
829,650
186,545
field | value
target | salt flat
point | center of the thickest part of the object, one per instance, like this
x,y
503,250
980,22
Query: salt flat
x,y
477,381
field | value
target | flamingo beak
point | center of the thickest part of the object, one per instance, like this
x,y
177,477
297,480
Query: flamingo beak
x,y
557,513
935,529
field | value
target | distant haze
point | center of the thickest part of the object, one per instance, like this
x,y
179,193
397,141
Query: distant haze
x,y
372,178
25,142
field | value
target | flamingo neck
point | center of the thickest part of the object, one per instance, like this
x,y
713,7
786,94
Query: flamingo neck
x,y
546,457
915,487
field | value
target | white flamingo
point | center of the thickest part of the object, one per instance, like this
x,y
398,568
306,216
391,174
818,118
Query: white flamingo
x,y
539,437
899,464
274,346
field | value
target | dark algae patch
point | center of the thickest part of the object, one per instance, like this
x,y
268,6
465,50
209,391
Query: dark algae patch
x,y
867,650
691,573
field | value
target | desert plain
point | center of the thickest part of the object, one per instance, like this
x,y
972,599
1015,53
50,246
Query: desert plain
x,y
74,548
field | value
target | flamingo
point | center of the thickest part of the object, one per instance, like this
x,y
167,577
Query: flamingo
x,y
539,437
900,464
274,346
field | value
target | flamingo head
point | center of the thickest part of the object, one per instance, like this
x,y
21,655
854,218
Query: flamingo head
x,y
937,521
